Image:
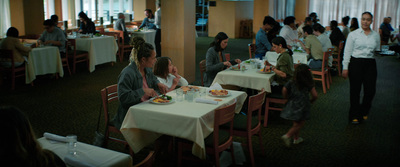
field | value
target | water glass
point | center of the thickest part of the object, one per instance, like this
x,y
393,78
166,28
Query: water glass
x,y
179,94
189,96
71,144
203,92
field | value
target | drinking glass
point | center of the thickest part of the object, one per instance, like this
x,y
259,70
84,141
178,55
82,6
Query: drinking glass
x,y
189,95
71,142
179,94
203,92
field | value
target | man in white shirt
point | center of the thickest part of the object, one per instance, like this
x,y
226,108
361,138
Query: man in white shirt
x,y
360,66
288,31
157,22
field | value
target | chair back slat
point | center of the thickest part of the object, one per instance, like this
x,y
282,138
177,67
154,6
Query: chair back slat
x,y
224,114
252,49
108,95
202,66
255,104
7,55
325,59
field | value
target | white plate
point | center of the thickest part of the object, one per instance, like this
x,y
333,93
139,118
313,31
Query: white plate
x,y
151,101
237,69
229,93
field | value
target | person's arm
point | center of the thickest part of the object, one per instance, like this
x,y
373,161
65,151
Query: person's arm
x,y
304,46
21,48
348,51
143,23
314,95
123,26
264,41
127,96
212,66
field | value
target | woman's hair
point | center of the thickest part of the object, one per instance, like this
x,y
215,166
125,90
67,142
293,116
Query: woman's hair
x,y
140,49
19,147
369,13
289,20
303,77
354,23
282,41
12,32
150,13
83,15
333,24
308,30
274,31
217,41
318,27
161,67
345,20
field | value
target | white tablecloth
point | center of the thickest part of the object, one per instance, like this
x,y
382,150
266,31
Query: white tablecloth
x,y
43,60
148,36
91,154
101,49
145,122
298,57
249,78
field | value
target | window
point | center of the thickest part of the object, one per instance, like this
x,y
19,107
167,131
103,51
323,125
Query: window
x,y
48,8
5,16
280,9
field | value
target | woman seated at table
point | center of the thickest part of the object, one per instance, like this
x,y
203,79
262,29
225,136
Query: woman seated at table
x,y
137,83
12,42
149,20
284,68
87,26
168,74
215,58
19,146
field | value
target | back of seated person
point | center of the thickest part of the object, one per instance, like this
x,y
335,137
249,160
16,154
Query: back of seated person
x,y
20,147
12,42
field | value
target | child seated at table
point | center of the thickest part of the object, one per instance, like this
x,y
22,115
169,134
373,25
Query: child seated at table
x,y
167,74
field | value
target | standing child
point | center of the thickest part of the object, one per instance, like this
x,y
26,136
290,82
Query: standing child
x,y
298,106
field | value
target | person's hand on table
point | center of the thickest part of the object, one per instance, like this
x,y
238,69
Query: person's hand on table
x,y
150,92
266,63
49,42
163,89
227,63
175,81
238,61
345,74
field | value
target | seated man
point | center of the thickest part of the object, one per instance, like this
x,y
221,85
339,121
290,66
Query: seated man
x,y
120,25
313,47
262,43
53,36
384,31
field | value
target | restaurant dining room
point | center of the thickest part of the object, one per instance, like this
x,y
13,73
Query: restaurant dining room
x,y
223,83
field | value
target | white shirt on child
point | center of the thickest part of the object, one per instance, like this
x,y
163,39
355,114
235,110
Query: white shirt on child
x,y
169,81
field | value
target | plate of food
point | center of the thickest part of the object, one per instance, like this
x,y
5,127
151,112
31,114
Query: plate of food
x,y
162,99
189,88
238,68
263,71
219,93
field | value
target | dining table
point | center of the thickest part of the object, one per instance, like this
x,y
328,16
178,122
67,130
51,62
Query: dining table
x,y
102,49
88,154
41,61
147,121
147,35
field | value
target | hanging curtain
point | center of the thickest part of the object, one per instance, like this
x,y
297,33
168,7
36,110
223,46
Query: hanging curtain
x,y
5,17
329,10
279,9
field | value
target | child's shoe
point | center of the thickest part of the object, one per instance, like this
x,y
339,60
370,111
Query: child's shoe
x,y
286,140
298,141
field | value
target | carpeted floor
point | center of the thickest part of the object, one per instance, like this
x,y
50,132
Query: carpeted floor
x,y
70,105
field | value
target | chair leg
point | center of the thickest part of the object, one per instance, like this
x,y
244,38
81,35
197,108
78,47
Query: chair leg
x,y
250,146
340,69
74,67
266,112
217,162
180,147
323,80
13,81
233,155
328,80
261,143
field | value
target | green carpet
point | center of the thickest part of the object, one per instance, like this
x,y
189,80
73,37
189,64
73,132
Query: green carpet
x,y
70,105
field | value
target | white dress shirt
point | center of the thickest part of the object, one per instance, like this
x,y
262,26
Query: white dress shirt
x,y
169,81
325,41
359,45
289,34
157,18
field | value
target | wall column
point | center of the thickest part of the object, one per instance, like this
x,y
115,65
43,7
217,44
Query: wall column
x,y
260,11
178,38
140,5
34,18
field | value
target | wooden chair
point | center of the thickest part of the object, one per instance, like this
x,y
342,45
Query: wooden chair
x,y
148,161
77,56
220,139
109,94
252,49
64,58
276,99
202,66
249,125
100,29
6,56
123,47
324,71
337,58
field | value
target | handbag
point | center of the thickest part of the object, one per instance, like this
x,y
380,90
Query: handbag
x,y
99,138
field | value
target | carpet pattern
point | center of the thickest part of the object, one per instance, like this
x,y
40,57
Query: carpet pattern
x,y
70,105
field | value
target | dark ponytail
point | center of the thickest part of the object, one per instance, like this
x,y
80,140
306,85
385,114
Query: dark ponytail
x,y
282,41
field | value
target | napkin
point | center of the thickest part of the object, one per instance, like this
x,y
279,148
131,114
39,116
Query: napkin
x,y
207,101
54,137
72,161
215,86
